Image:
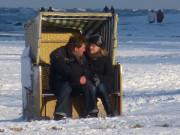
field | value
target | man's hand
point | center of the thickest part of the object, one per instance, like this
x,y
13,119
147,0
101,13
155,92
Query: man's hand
x,y
82,80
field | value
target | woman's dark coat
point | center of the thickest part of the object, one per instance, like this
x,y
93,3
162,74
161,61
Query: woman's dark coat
x,y
103,69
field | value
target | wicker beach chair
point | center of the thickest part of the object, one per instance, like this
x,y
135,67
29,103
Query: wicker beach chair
x,y
45,33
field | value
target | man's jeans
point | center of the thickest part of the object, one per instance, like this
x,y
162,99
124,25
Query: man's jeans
x,y
63,90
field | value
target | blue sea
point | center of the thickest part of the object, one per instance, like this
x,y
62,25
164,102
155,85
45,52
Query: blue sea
x,y
12,20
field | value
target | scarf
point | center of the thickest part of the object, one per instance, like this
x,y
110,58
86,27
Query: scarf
x,y
79,59
95,56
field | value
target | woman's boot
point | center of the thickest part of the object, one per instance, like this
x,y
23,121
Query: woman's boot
x,y
102,93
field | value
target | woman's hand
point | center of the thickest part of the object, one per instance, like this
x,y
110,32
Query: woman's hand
x,y
96,80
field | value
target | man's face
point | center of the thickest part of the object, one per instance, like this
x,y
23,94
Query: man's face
x,y
79,51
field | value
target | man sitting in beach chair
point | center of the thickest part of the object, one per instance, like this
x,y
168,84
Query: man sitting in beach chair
x,y
69,76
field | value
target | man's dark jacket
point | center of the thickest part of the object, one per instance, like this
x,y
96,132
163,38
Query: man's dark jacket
x,y
64,65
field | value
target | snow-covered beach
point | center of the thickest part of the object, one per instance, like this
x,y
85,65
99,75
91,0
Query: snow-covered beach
x,y
150,57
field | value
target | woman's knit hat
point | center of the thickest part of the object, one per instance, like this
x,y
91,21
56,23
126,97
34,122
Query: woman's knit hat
x,y
97,40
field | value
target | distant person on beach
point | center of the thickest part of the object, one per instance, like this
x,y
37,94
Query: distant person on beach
x,y
42,9
151,17
160,16
50,9
112,10
106,9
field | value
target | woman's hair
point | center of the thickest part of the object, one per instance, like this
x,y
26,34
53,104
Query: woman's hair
x,y
76,41
104,52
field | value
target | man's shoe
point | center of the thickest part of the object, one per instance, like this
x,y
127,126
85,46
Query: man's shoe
x,y
58,117
110,115
91,115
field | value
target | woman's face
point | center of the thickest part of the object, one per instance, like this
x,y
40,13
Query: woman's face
x,y
93,48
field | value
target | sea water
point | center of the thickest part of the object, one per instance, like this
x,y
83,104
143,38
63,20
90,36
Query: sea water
x,y
132,24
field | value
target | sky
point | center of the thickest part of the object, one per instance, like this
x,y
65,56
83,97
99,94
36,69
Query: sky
x,y
94,4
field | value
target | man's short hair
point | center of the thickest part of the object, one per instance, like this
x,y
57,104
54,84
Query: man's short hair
x,y
76,41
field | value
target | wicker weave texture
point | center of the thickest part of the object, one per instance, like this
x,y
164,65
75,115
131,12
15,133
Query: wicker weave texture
x,y
56,36
31,39
45,78
51,41
46,49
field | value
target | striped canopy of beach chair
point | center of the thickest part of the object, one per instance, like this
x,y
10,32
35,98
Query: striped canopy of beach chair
x,y
88,25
